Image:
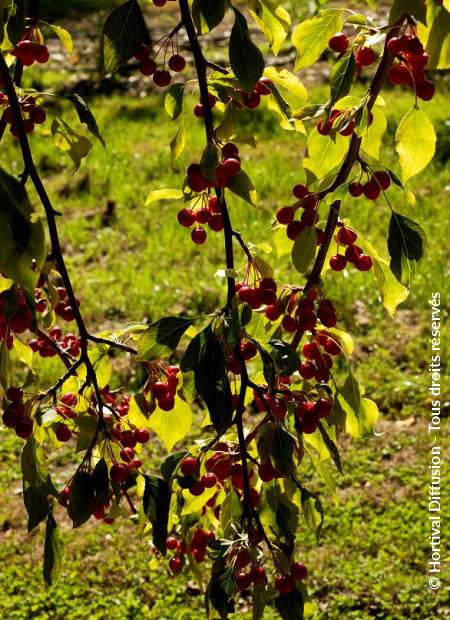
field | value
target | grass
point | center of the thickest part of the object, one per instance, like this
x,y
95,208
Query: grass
x,y
138,262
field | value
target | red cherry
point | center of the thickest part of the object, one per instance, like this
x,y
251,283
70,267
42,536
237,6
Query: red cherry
x,y
332,347
352,253
243,581
284,584
395,46
230,150
161,78
285,215
203,215
338,43
142,435
232,166
262,87
216,222
24,428
307,370
64,496
346,236
172,543
383,178
425,90
197,488
266,471
147,67
63,433
323,407
186,217
209,480
159,3
399,74
127,455
363,262
311,350
118,473
298,571
198,235
309,217
41,53
159,389
199,110
366,56
242,559
309,202
38,116
258,574
289,324
300,191
14,394
372,190
143,53
176,563
355,189
251,100
294,228
177,63
273,312
189,466
338,262
167,402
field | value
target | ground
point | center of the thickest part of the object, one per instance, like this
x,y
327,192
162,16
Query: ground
x,y
129,262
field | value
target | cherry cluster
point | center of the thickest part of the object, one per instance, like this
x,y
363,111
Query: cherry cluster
x,y
341,121
410,68
67,343
62,308
197,547
162,385
261,291
148,66
31,48
16,415
32,114
353,253
376,183
207,212
15,314
364,56
99,505
309,202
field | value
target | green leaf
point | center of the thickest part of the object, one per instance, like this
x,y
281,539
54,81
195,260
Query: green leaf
x,y
177,146
286,359
34,468
438,42
100,479
304,249
82,494
170,464
69,141
373,135
405,244
164,194
85,115
54,552
273,20
246,59
324,154
22,238
210,161
332,448
311,36
351,392
156,503
162,337
399,8
259,600
415,129
173,101
64,36
172,426
208,14
221,589
341,76
230,512
205,358
36,505
312,511
282,451
123,34
242,186
290,606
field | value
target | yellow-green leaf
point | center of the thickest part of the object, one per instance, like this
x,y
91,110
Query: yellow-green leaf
x,y
68,140
273,20
373,136
311,36
324,154
415,142
177,145
172,426
64,36
164,194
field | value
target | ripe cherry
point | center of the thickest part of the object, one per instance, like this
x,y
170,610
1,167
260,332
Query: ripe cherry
x,y
262,87
395,46
352,253
118,472
399,74
41,53
258,574
366,56
24,428
243,581
356,189
307,370
284,584
176,563
338,43
216,222
425,90
167,402
177,63
161,78
63,433
363,262
294,228
311,350
338,262
252,100
232,166
197,488
147,67
38,116
198,235
189,466
323,407
172,543
14,394
298,571
346,236
209,480
142,435
300,191
266,471
332,347
372,190
383,178
289,324
285,215
199,110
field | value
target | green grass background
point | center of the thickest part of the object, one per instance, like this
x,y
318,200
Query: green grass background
x,y
371,561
